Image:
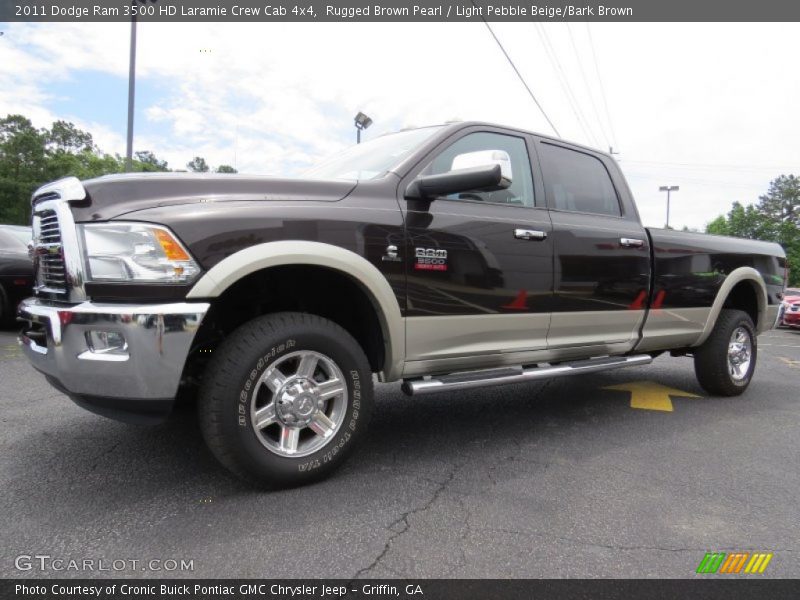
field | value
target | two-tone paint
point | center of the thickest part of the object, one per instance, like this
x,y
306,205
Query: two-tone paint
x,y
577,291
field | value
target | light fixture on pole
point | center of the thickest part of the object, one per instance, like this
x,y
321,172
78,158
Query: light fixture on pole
x,y
668,189
362,122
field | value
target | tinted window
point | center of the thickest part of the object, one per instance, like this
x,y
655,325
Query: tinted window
x,y
480,149
577,182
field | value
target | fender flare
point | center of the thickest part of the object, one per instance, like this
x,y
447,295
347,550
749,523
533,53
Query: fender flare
x,y
734,278
273,254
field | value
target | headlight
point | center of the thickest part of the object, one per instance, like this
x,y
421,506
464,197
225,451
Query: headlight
x,y
135,252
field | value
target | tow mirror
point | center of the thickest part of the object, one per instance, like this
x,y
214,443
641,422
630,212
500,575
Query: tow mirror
x,y
487,178
482,158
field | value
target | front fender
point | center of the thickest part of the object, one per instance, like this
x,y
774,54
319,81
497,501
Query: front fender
x,y
273,254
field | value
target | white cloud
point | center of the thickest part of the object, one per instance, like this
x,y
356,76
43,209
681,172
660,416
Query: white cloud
x,y
272,98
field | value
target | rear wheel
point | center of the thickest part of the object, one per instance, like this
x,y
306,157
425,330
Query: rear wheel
x,y
285,399
726,361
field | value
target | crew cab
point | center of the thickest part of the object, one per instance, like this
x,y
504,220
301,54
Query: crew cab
x,y
446,257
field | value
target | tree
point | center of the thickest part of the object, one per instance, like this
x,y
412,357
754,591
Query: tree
x,y
146,161
781,204
775,218
65,137
22,149
197,165
226,169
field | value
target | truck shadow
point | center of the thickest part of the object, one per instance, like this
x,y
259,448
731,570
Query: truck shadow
x,y
407,436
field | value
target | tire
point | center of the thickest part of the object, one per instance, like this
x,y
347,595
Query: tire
x,y
725,362
311,427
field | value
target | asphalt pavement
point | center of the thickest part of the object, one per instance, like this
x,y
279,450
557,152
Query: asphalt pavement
x,y
554,479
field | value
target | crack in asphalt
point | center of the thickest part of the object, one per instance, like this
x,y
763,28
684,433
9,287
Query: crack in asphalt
x,y
99,457
401,525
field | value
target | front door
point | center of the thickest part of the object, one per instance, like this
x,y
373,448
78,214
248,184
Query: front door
x,y
479,264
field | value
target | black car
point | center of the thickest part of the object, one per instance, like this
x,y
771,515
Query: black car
x,y
16,270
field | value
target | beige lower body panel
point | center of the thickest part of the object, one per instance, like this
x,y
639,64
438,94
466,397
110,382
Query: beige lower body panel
x,y
434,338
771,320
666,329
591,327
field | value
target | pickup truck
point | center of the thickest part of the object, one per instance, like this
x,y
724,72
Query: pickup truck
x,y
446,257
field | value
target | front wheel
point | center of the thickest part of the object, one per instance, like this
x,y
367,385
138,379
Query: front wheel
x,y
726,361
285,399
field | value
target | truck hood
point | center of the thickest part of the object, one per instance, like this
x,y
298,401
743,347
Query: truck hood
x,y
115,195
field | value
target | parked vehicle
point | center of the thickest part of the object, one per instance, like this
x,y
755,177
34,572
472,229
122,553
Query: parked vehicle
x,y
447,257
789,315
16,270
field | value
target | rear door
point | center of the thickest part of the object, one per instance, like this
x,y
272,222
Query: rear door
x,y
602,253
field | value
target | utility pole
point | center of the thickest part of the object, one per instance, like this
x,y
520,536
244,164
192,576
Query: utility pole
x,y
131,96
668,189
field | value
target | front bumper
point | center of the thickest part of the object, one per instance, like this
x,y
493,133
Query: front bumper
x,y
791,318
136,383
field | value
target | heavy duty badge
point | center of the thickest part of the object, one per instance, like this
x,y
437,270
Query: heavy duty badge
x,y
430,259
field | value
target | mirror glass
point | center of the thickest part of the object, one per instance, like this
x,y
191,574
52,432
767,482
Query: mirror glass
x,y
484,158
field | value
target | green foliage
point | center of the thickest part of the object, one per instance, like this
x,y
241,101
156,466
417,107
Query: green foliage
x,y
226,169
775,218
197,165
31,157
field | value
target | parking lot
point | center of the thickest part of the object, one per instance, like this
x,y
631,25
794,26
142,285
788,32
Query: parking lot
x,y
555,479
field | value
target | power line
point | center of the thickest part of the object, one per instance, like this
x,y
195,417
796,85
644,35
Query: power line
x,y
602,87
714,166
563,80
588,87
513,66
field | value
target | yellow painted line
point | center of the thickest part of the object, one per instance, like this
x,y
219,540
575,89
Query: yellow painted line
x,y
792,363
648,395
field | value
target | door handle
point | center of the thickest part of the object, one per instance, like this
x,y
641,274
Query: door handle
x,y
530,234
631,242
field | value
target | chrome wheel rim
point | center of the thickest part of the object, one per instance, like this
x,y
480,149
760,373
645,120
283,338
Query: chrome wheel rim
x,y
740,353
298,404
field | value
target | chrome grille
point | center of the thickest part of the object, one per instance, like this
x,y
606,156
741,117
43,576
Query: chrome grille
x,y
56,251
50,271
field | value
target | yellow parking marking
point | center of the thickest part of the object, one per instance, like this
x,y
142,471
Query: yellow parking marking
x,y
795,364
10,351
648,395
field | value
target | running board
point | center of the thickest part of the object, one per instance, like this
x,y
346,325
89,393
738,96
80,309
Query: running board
x,y
476,379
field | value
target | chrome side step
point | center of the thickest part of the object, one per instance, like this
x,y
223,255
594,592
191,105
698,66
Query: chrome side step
x,y
476,379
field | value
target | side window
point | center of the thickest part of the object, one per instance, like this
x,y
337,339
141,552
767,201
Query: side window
x,y
577,182
479,149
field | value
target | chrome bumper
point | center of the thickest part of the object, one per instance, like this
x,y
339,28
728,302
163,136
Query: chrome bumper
x,y
56,339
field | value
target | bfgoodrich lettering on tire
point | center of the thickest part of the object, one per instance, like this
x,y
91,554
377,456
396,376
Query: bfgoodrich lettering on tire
x,y
726,361
285,398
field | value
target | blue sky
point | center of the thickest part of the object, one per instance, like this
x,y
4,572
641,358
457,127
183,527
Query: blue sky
x,y
688,104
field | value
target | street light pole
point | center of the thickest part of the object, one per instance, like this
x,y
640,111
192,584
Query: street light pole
x,y
668,189
131,96
362,121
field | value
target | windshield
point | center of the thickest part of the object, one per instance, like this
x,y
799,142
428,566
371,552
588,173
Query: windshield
x,y
371,159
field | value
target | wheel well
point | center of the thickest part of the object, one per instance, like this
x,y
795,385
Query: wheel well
x,y
743,297
300,288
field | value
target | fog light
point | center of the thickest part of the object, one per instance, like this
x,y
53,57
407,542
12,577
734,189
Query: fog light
x,y
106,342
